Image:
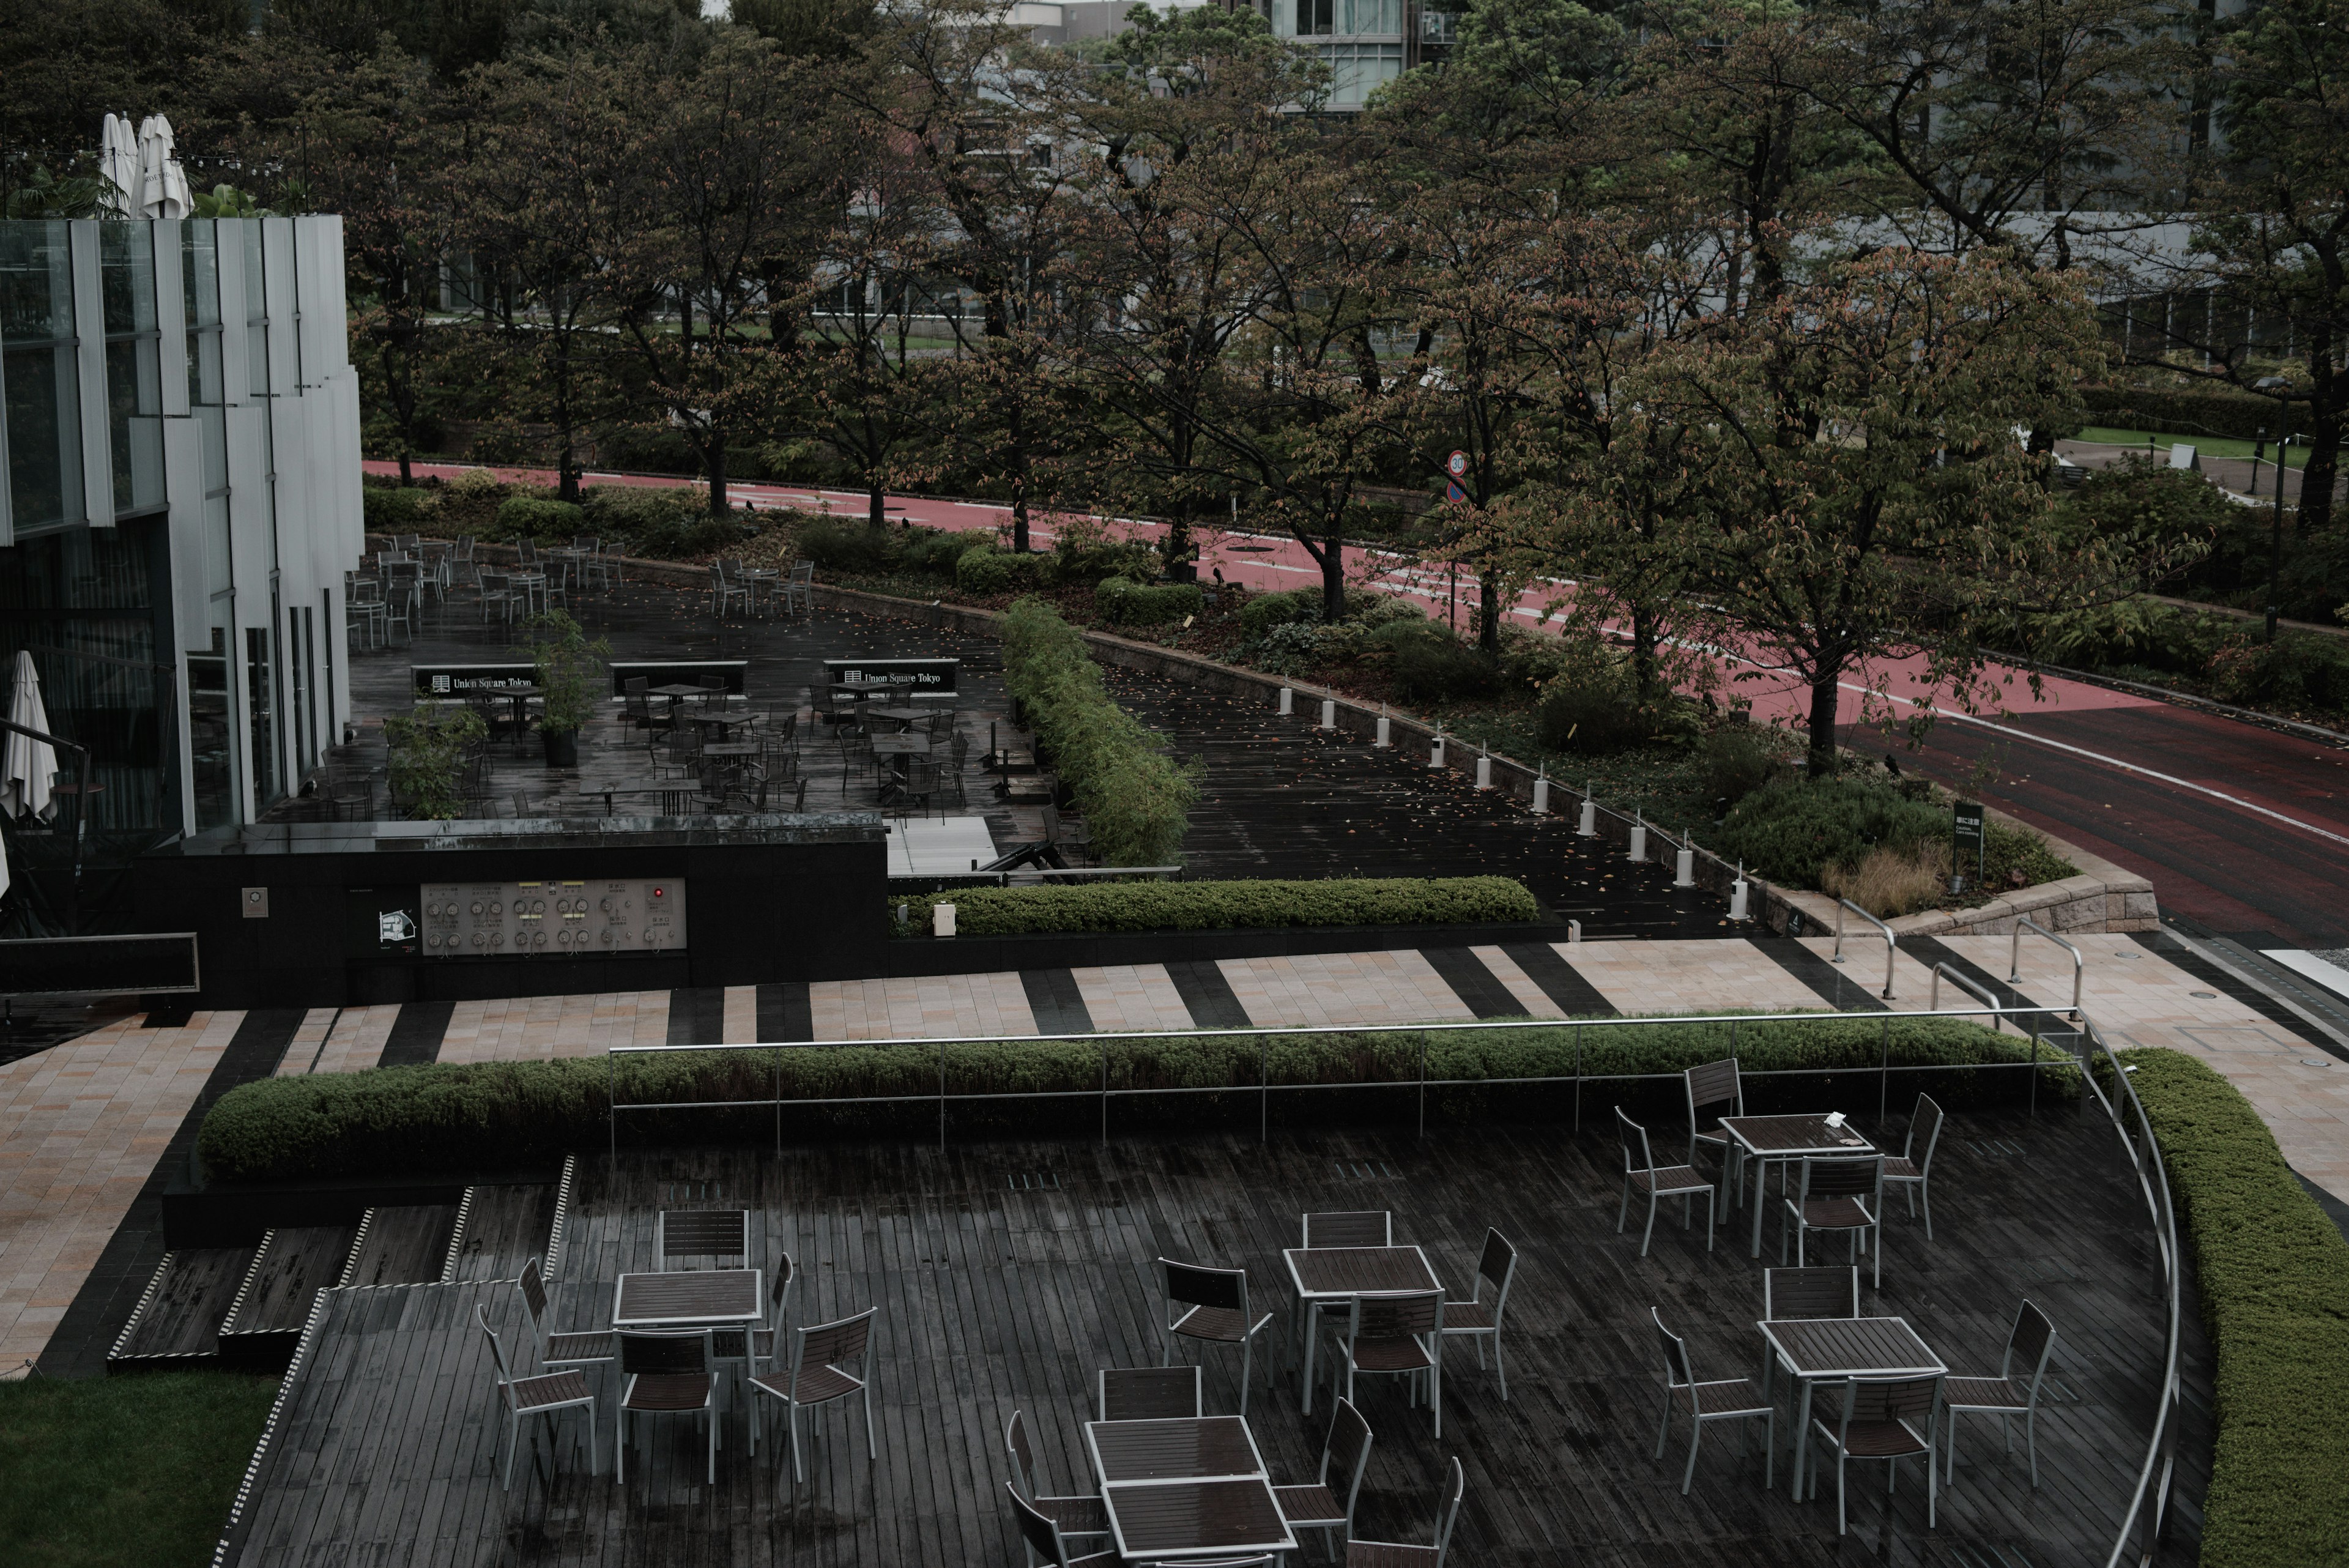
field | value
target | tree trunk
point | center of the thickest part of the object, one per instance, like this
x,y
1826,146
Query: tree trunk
x,y
1177,550
714,458
1488,626
877,509
2316,480
1016,429
406,477
1333,574
1827,697
1643,652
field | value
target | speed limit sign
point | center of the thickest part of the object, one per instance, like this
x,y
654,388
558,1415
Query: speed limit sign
x,y
1457,465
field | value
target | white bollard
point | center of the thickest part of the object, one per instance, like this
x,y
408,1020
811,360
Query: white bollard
x,y
1574,930
1484,773
1588,826
1435,752
1737,900
942,919
1383,740
1640,841
1287,701
1329,714
1684,870
1541,795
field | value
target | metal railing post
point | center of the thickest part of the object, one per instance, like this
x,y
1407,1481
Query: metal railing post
x,y
1423,1083
1263,1090
612,1107
1104,1096
942,1097
2014,959
779,1105
1578,1077
1884,1073
1891,941
2033,1111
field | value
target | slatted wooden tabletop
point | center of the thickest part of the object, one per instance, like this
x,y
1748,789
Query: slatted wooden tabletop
x,y
1167,1519
999,1291
709,1295
1166,1450
1852,1347
1773,1137
1352,1271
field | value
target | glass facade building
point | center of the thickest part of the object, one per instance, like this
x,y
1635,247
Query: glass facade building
x,y
178,431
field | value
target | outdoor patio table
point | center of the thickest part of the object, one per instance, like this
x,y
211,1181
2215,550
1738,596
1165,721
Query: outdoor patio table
x,y
691,1297
675,694
901,715
1339,1273
894,750
721,723
1783,1139
1830,1349
573,563
1185,1487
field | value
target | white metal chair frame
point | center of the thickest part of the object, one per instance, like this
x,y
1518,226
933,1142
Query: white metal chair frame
x,y
1736,1403
1447,1514
1215,1310
2030,1323
1862,1398
1867,1199
1659,1183
633,1344
1346,1426
543,1394
1383,1309
1913,1172
1461,1326
817,1376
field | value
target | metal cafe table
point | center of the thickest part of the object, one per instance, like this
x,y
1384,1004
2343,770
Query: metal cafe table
x,y
688,1299
1340,1273
1783,1139
1831,1349
1191,1487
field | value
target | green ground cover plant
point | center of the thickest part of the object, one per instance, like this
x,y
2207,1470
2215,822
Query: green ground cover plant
x,y
2273,1272
1208,906
511,1114
124,1472
1137,800
1884,846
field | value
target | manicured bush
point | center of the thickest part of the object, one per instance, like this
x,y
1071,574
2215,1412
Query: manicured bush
x,y
1121,601
1205,905
1264,612
397,510
1792,831
1593,713
507,1115
939,549
2181,412
1135,799
522,517
665,524
1085,550
848,544
1430,664
2273,1273
991,571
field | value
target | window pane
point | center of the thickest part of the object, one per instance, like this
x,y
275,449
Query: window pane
x,y
260,691
209,740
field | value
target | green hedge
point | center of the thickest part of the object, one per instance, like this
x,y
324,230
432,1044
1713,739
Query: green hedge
x,y
507,1115
520,517
2188,413
1121,601
396,510
2274,1276
1212,905
993,571
1135,799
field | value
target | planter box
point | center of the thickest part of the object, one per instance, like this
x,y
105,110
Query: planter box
x,y
1086,950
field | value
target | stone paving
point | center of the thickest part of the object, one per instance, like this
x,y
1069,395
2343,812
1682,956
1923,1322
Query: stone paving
x,y
82,1124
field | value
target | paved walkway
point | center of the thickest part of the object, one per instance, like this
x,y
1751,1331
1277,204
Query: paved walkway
x,y
82,1124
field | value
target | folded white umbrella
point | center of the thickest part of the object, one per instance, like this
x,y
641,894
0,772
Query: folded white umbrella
x,y
28,768
164,186
117,159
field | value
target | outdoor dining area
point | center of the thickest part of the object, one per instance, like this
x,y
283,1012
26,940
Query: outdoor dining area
x,y
1334,1344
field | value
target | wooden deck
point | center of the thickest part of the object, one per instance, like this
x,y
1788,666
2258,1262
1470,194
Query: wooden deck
x,y
1006,1272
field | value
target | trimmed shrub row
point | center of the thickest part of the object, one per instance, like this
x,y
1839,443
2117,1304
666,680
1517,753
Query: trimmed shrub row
x,y
2182,412
1121,601
991,571
509,1114
2274,1276
1135,799
1210,906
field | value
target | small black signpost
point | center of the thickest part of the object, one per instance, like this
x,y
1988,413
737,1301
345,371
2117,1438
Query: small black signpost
x,y
1967,830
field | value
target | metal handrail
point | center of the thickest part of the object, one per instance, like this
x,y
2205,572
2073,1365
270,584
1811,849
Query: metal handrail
x,y
2140,1523
2014,959
1891,942
1933,1000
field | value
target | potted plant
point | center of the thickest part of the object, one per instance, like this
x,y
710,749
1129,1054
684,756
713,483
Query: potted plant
x,y
428,758
570,670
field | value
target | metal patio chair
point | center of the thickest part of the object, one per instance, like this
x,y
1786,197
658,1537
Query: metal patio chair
x,y
1327,1504
1714,1091
1722,1399
1211,1305
1477,1318
1046,1541
716,1233
1398,1554
1398,1333
1913,1170
1641,1173
1148,1393
2013,1392
559,1349
1792,1293
1879,1420
665,1374
1842,1193
752,1345
1350,1228
1073,1514
543,1394
819,1375
724,591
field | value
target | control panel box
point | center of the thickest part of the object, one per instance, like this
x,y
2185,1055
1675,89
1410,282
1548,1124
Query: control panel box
x,y
553,919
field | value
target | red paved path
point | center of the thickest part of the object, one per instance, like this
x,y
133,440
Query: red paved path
x,y
2248,831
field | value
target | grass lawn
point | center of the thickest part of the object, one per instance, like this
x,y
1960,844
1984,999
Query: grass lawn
x,y
2208,446
128,1472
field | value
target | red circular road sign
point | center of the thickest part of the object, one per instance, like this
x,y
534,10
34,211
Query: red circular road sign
x,y
1456,464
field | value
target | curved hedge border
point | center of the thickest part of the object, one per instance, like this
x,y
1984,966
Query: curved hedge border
x,y
2274,1276
506,1113
1137,800
1212,906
